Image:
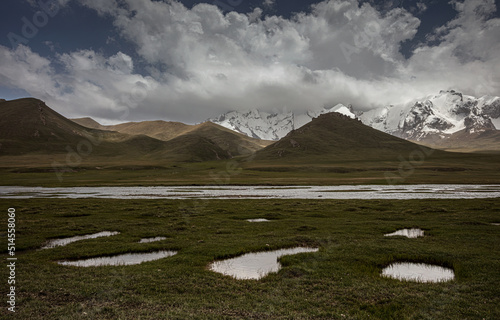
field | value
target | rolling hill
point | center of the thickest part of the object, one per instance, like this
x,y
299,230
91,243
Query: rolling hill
x,y
230,143
29,128
161,130
487,141
91,123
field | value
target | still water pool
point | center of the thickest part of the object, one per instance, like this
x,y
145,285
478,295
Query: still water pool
x,y
418,272
119,260
255,265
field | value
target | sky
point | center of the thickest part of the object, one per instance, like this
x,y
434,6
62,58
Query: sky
x,y
189,60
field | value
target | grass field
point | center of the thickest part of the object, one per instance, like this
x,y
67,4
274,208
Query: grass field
x,y
36,170
340,281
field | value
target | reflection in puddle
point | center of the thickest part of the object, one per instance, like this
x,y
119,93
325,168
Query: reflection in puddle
x,y
120,260
258,220
62,242
148,240
255,265
409,233
419,272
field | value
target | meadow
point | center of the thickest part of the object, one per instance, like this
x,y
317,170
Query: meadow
x,y
340,281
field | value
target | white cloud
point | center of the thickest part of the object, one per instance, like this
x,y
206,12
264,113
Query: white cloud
x,y
20,68
203,62
421,6
269,3
467,57
91,83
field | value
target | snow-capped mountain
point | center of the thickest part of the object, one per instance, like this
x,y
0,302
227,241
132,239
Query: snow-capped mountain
x,y
272,126
444,114
433,118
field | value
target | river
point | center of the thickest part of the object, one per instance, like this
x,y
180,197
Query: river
x,y
444,191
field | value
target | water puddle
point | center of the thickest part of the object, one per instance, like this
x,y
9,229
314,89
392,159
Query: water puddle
x,y
409,233
255,265
120,260
65,241
419,272
258,220
148,240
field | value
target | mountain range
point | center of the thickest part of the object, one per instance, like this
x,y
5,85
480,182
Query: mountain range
x,y
449,120
28,127
334,147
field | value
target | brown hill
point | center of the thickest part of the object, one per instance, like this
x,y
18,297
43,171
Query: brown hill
x,y
90,123
29,127
161,130
462,141
334,136
231,143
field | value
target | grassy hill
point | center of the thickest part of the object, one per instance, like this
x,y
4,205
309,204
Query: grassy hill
x,y
334,136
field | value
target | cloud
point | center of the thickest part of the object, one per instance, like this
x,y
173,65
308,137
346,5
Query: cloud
x,y
421,6
197,63
467,56
268,3
20,68
36,3
90,84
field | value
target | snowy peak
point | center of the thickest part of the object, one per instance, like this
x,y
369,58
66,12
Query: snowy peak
x,y
257,124
443,114
272,126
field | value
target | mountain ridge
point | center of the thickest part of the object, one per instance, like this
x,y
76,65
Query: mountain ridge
x,y
432,121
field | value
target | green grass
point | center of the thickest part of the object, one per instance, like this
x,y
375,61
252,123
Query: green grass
x,y
340,281
319,170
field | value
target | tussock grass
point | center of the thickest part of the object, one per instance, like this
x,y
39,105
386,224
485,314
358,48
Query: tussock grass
x,y
340,281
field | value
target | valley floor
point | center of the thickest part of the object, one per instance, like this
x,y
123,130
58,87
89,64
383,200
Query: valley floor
x,y
58,171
